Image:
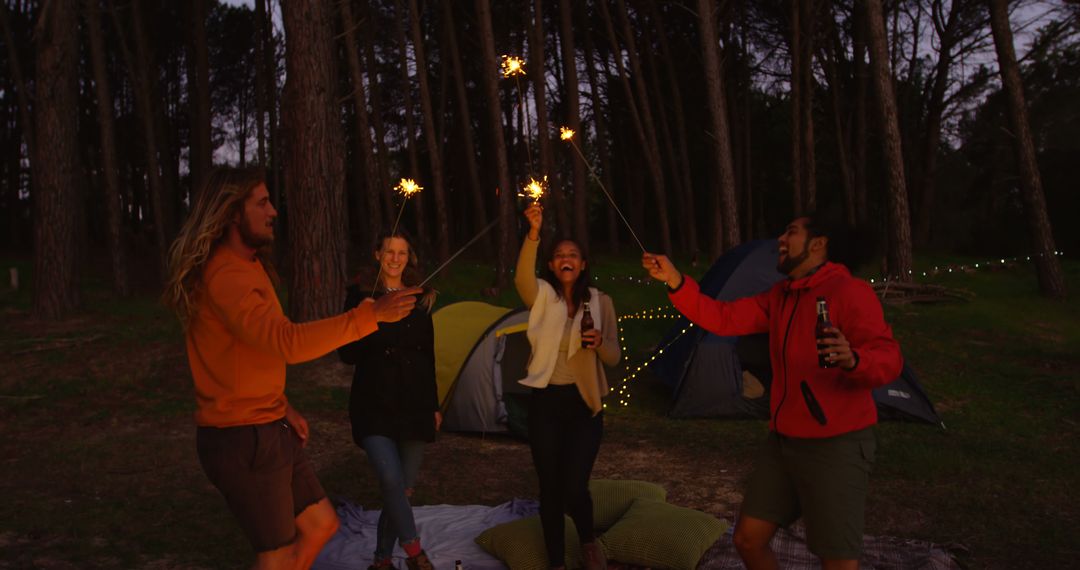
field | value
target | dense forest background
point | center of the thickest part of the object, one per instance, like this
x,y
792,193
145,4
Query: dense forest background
x,y
710,121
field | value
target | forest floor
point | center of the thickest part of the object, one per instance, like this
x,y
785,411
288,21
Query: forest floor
x,y
99,465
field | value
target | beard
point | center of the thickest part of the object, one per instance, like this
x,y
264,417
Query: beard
x,y
251,239
789,263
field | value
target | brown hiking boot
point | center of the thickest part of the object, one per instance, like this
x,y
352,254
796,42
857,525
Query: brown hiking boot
x,y
594,556
419,562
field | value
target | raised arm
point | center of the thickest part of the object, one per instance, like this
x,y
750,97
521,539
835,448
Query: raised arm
x,y
525,273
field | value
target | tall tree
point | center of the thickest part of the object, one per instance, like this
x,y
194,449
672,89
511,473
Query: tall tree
x,y
727,216
382,155
1051,278
25,119
56,176
434,145
365,171
107,140
410,121
573,111
507,220
198,69
899,227
465,123
315,169
139,74
612,224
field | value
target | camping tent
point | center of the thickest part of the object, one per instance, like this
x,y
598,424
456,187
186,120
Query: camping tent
x,y
714,376
480,353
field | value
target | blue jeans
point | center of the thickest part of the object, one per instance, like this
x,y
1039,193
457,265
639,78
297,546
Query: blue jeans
x,y
396,464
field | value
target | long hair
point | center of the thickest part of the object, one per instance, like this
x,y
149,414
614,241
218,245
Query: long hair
x,y
410,277
579,293
220,200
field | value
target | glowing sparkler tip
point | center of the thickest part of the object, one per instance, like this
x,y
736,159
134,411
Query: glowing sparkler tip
x,y
534,189
512,66
408,187
566,133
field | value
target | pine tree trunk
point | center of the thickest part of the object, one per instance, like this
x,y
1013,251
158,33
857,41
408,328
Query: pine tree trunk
x,y
899,228
410,130
682,168
200,151
57,174
465,122
364,168
651,148
573,117
382,155
714,87
807,20
1051,278
315,169
260,82
26,120
434,144
107,139
140,82
830,58
601,143
859,121
507,219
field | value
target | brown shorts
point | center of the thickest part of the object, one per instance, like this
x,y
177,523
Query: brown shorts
x,y
264,475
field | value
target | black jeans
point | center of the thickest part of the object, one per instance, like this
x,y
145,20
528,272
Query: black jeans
x,y
564,437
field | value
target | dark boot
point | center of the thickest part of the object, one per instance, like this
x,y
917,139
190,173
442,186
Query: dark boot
x,y
594,556
419,562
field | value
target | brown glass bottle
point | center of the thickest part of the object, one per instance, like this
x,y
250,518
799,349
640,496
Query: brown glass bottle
x,y
820,334
586,325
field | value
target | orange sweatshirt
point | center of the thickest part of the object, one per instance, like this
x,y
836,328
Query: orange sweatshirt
x,y
239,342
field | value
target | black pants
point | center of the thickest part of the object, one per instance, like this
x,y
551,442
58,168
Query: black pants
x,y
564,437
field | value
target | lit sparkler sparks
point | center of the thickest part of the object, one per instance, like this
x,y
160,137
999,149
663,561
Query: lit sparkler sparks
x,y
512,66
534,189
567,134
407,187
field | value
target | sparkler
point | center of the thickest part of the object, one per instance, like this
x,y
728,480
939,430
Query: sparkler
x,y
457,253
515,67
534,189
567,135
406,187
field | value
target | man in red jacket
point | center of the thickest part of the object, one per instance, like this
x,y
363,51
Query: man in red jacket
x,y
820,449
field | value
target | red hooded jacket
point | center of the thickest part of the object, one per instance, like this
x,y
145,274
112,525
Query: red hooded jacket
x,y
787,312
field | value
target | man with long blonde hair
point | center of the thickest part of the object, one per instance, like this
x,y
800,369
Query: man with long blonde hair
x,y
249,439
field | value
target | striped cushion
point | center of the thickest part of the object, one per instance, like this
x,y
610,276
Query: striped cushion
x,y
659,535
520,544
611,498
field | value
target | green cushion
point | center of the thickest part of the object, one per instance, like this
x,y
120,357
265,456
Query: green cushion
x,y
611,498
659,535
520,544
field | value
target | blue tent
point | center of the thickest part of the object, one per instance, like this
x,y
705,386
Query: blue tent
x,y
706,372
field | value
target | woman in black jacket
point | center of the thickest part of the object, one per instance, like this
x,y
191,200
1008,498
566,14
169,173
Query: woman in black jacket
x,y
393,404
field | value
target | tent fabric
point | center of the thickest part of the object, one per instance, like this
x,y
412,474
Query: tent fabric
x,y
480,353
705,371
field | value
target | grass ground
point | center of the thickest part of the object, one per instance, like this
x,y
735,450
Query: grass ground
x,y
99,468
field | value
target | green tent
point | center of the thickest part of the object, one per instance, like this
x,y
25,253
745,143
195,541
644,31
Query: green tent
x,y
481,352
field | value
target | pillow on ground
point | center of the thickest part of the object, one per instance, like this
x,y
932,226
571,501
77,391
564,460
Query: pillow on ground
x,y
611,498
520,544
659,535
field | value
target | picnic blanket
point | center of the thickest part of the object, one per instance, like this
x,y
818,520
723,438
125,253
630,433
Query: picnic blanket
x,y
448,532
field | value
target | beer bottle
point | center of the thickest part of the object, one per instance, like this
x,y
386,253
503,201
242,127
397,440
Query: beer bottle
x,y
458,566
820,334
586,324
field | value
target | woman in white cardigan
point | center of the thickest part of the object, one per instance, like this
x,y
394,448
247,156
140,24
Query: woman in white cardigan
x,y
566,372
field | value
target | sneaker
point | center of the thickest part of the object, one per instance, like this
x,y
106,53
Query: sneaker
x,y
419,562
594,556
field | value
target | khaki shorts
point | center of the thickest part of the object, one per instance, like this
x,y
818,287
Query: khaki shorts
x,y
265,477
822,480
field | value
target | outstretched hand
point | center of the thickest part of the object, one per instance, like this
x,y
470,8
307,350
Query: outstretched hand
x,y
661,269
395,305
535,214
